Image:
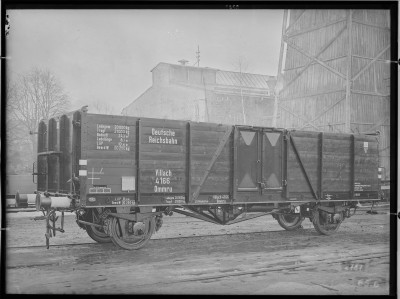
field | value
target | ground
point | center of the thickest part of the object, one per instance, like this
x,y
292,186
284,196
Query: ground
x,y
189,256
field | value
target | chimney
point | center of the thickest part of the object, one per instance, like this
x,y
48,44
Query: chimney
x,y
183,61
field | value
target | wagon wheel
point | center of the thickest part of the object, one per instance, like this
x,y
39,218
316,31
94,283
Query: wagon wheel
x,y
289,221
326,223
94,232
124,235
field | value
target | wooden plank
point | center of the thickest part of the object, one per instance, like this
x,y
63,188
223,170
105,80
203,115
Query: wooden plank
x,y
52,135
138,158
153,164
204,159
307,30
333,60
224,139
213,172
207,127
294,23
208,134
321,163
65,157
304,68
163,148
310,95
213,187
104,154
209,139
297,115
163,123
208,150
377,125
371,62
347,116
279,76
303,169
371,25
370,58
322,113
234,164
218,166
352,165
285,158
217,188
291,44
52,174
221,181
111,163
376,94
188,164
337,163
163,156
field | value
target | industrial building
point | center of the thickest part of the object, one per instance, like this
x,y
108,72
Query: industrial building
x,y
205,94
334,74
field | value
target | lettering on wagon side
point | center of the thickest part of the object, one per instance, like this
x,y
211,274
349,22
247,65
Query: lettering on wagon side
x,y
163,136
360,187
120,200
177,199
163,181
99,190
112,137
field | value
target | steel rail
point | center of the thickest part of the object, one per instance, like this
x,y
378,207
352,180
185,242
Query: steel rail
x,y
274,269
191,236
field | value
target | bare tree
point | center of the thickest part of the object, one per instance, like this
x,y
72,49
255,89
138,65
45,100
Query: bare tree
x,y
99,107
13,126
31,97
241,64
36,95
17,143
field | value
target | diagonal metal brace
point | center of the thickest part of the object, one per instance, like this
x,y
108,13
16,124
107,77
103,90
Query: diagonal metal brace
x,y
302,167
197,215
220,147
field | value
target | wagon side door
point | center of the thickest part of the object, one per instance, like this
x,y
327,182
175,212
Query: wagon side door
x,y
272,160
248,160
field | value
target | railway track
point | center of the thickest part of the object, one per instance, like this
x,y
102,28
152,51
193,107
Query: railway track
x,y
224,263
263,271
300,234
194,270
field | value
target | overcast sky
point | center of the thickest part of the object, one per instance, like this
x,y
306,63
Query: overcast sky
x,y
107,55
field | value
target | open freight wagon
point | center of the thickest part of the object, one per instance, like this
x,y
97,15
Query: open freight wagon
x,y
120,174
